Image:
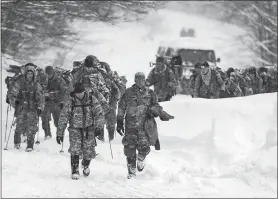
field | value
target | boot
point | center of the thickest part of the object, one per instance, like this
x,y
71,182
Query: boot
x,y
17,146
30,144
131,167
85,164
140,163
74,167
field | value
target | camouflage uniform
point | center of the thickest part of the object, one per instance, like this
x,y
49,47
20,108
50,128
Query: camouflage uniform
x,y
41,78
164,83
233,89
56,90
133,107
255,83
84,116
28,97
208,90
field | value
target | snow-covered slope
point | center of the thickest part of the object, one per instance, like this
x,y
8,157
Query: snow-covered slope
x,y
213,148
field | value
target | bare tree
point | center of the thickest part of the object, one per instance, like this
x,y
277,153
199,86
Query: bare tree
x,y
31,26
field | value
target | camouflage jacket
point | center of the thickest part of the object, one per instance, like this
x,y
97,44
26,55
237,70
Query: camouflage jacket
x,y
233,89
208,91
56,88
256,85
164,82
81,113
133,106
26,95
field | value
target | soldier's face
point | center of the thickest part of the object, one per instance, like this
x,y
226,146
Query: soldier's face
x,y
140,81
29,76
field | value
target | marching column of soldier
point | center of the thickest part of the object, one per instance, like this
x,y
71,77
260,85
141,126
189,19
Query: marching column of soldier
x,y
87,98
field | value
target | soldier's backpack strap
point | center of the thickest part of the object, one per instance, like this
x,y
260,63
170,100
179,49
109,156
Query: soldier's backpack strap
x,y
81,105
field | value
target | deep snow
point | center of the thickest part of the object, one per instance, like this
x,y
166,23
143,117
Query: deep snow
x,y
213,148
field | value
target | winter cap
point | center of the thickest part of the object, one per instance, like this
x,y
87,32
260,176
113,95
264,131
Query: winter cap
x,y
49,70
139,75
229,71
123,78
79,88
91,61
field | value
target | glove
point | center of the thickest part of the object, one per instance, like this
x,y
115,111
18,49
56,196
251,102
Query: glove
x,y
39,111
98,131
61,106
157,145
120,127
59,139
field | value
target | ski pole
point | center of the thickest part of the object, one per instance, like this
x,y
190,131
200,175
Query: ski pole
x,y
7,123
6,148
111,149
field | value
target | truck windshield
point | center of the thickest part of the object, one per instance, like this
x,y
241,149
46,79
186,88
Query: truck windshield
x,y
192,55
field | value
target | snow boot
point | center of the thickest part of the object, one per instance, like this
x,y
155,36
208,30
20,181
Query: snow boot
x,y
131,167
140,164
85,166
48,137
30,144
17,146
74,167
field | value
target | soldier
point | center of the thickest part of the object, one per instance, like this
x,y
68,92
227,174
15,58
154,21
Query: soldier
x,y
197,70
133,110
232,88
86,119
256,82
41,78
54,96
26,94
207,83
163,80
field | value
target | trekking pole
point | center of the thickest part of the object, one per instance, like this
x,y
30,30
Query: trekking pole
x,y
38,142
6,148
6,123
111,149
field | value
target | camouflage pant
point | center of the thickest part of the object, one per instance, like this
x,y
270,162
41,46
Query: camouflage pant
x,y
136,140
50,108
27,123
82,142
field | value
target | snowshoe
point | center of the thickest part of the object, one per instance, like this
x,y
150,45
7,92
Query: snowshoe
x,y
17,146
28,149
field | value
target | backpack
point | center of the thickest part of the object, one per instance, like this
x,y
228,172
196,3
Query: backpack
x,y
65,74
83,105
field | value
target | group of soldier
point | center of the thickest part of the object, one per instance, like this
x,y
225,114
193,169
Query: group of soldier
x,y
211,82
92,96
86,99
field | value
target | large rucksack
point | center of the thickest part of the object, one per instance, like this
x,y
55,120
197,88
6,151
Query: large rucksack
x,y
65,74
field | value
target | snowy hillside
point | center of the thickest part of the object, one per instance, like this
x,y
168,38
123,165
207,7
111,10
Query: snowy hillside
x,y
213,148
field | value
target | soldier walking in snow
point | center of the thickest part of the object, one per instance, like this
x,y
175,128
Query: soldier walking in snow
x,y
163,80
27,96
132,111
86,118
54,96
